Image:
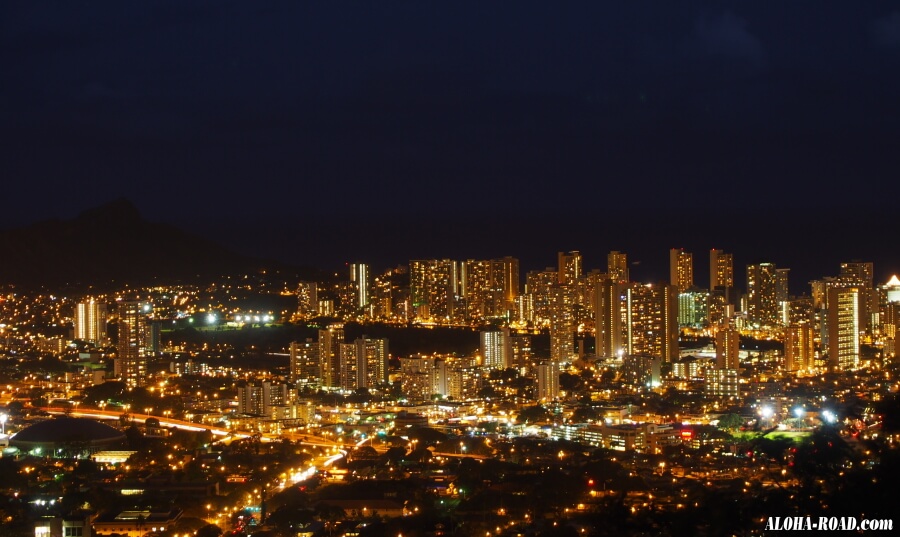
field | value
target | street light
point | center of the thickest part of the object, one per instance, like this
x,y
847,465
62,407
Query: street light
x,y
3,418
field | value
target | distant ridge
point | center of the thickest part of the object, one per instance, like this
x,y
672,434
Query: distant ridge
x,y
111,245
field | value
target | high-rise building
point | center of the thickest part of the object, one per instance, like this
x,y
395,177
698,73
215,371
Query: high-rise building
x,y
799,348
364,363
525,308
422,377
359,275
538,284
892,290
721,270
617,266
889,311
382,298
782,291
641,370
548,381
843,321
433,289
890,328
90,322
259,399
637,319
562,324
728,348
464,382
489,287
307,299
860,275
133,349
693,309
764,284
495,349
570,267
723,383
681,269
521,356
585,313
329,343
304,356
610,318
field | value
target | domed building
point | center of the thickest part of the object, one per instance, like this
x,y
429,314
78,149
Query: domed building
x,y
67,437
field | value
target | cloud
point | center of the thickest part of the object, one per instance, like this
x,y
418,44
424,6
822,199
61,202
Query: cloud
x,y
886,30
727,36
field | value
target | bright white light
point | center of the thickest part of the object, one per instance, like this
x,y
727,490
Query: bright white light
x,y
799,412
829,416
211,318
766,412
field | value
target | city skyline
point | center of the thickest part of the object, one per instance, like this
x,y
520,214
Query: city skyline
x,y
461,268
647,244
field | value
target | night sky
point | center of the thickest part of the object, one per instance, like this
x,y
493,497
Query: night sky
x,y
324,132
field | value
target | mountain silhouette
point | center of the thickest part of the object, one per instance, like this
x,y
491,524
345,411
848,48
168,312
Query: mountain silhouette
x,y
111,245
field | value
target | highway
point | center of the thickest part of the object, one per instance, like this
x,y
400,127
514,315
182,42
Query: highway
x,y
165,421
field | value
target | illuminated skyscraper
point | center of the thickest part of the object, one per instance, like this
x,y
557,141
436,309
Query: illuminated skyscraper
x,y
90,322
524,308
495,349
538,284
891,328
617,266
329,343
133,349
421,377
892,290
764,285
548,381
610,317
890,315
562,325
721,270
860,275
843,321
641,370
570,267
728,346
521,356
359,275
364,363
799,348
259,399
433,289
305,363
307,299
693,308
570,279
681,269
490,287
637,319
723,383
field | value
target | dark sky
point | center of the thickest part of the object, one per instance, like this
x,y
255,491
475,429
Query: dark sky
x,y
323,131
